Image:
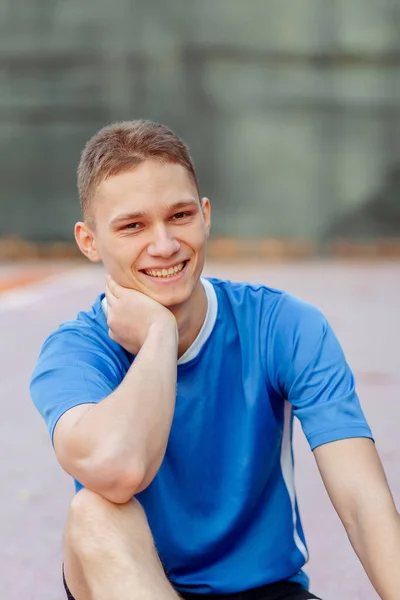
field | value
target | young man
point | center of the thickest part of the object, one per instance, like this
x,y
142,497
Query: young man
x,y
171,403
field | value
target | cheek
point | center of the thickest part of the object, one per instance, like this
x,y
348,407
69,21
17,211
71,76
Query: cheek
x,y
115,255
117,249
197,242
197,237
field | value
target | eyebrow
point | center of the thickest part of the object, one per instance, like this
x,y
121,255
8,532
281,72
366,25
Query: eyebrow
x,y
132,216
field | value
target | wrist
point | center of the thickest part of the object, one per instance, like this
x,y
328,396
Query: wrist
x,y
165,328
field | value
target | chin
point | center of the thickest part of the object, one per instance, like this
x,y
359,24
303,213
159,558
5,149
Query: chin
x,y
171,300
172,297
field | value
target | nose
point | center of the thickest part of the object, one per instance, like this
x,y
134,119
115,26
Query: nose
x,y
163,244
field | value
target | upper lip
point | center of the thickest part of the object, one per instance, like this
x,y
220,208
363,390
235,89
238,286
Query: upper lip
x,y
160,268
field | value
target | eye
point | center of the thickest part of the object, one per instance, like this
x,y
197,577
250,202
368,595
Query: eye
x,y
181,215
132,226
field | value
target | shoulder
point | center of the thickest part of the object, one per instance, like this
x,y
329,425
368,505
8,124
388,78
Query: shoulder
x,y
244,293
278,309
77,364
294,315
84,338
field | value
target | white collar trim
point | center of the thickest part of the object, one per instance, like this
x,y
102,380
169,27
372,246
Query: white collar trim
x,y
207,327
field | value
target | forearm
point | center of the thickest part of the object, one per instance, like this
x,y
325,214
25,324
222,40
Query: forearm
x,y
120,442
375,536
356,483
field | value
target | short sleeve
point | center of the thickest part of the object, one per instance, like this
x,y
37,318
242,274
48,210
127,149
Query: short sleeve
x,y
308,366
74,367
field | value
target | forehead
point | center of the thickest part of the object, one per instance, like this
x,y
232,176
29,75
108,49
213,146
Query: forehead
x,y
149,185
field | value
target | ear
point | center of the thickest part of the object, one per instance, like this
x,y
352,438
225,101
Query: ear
x,y
85,239
206,212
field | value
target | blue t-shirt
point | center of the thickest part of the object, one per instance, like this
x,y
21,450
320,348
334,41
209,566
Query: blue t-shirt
x,y
222,507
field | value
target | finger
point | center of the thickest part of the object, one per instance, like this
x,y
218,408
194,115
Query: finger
x,y
110,296
113,286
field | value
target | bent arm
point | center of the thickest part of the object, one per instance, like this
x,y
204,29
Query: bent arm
x,y
116,447
356,483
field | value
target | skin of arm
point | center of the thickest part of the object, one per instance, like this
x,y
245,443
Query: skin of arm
x,y
356,484
116,447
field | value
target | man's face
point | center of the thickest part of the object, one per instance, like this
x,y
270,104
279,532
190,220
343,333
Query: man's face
x,y
150,231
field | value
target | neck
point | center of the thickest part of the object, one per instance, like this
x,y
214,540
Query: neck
x,y
190,317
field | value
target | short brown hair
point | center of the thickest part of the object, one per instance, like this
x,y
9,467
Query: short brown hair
x,y
122,146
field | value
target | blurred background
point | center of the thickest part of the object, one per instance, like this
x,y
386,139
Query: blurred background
x,y
291,108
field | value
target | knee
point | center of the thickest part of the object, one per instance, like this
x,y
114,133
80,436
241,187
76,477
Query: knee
x,y
87,506
95,522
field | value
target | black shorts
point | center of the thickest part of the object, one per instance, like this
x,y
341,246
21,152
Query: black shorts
x,y
283,590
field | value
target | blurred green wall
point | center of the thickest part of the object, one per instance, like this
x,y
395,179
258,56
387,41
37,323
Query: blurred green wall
x,y
291,107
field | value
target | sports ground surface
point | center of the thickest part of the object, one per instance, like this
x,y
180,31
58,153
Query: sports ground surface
x,y
362,302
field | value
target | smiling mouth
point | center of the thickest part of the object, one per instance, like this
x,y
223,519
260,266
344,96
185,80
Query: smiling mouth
x,y
166,273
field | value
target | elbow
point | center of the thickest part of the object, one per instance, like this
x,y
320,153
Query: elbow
x,y
124,487
358,514
115,482
108,471
119,490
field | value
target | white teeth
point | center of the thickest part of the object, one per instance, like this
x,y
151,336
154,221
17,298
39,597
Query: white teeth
x,y
165,272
